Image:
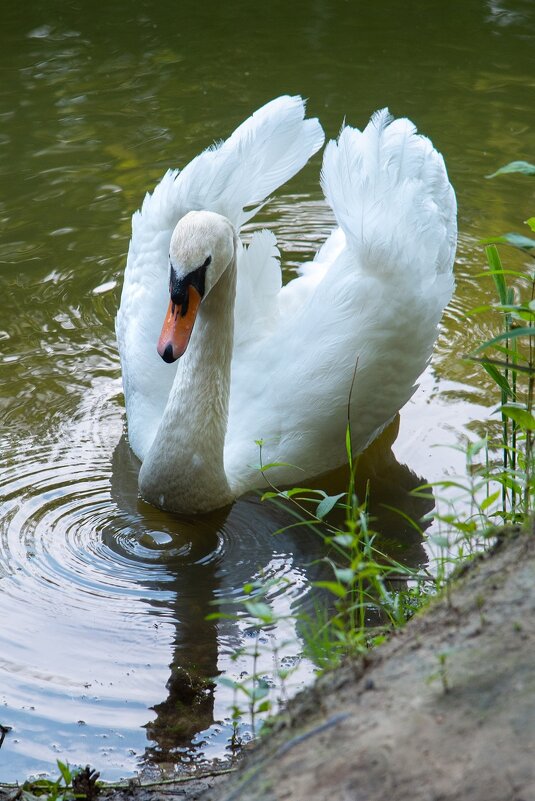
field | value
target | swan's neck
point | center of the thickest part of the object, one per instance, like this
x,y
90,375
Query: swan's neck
x,y
183,470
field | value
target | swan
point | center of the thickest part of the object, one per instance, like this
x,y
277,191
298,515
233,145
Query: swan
x,y
222,365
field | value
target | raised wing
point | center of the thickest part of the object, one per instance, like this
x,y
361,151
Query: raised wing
x,y
390,193
369,306
229,178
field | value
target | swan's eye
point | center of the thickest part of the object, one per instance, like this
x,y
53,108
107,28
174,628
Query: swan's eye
x,y
178,287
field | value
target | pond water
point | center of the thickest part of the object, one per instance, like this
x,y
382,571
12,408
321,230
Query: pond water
x,y
103,598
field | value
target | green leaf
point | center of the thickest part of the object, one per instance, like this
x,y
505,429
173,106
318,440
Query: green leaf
x,y
474,448
449,484
226,682
513,334
296,490
507,480
344,574
245,690
479,309
521,416
515,240
260,610
332,586
498,378
526,315
512,308
260,690
531,223
286,494
65,772
327,504
504,349
266,496
345,540
495,264
490,500
271,465
438,539
523,167
349,451
514,273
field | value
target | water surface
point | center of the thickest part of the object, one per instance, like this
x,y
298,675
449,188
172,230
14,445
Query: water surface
x,y
105,653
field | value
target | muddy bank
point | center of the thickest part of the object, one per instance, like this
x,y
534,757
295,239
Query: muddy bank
x,y
445,710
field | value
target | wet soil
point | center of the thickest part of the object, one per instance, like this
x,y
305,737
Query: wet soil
x,y
444,711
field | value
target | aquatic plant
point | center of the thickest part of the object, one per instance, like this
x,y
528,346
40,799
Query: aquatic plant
x,y
72,783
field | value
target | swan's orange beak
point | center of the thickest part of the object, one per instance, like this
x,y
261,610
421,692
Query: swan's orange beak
x,y
178,325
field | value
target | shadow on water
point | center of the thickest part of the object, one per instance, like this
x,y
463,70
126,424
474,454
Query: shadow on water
x,y
209,559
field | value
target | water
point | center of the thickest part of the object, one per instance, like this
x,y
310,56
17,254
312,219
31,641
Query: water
x,y
104,647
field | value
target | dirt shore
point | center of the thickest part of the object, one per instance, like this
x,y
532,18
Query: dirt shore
x,y
444,711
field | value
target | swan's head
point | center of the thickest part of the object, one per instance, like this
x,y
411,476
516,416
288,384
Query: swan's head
x,y
202,247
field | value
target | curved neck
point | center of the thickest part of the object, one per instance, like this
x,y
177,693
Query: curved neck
x,y
183,470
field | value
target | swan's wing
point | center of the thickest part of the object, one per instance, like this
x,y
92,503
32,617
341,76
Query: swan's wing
x,y
374,304
264,152
387,185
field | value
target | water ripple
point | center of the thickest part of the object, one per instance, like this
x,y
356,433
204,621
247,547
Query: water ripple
x,y
103,596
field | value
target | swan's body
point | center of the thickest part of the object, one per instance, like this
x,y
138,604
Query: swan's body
x,y
270,363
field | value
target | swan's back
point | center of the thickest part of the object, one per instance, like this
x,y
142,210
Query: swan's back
x,y
368,305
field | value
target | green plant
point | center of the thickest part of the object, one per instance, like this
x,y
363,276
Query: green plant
x,y
500,487
81,783
511,365
442,672
362,576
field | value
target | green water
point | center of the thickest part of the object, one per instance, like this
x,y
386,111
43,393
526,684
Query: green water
x,y
104,598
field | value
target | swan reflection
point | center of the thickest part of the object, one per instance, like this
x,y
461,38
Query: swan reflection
x,y
208,559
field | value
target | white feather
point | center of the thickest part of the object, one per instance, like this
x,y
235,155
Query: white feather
x,y
371,300
263,152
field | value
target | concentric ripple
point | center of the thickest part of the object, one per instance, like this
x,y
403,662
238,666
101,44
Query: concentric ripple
x,y
104,598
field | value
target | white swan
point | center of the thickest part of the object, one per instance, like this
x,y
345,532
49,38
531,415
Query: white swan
x,y
270,363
